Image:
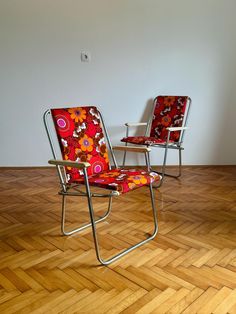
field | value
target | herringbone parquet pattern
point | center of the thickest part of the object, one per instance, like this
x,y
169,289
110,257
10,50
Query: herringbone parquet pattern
x,y
189,268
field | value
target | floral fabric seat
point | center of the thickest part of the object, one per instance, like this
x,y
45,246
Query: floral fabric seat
x,y
122,180
144,140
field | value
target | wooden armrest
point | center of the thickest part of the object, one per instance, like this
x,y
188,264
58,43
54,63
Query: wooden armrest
x,y
69,163
133,149
177,128
135,124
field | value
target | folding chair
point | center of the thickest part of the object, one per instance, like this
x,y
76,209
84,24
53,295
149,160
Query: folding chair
x,y
86,152
165,129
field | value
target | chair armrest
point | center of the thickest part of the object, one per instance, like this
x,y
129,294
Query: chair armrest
x,y
133,149
135,124
69,163
178,128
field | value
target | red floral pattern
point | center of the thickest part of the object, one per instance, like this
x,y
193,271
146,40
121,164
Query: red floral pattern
x,y
122,180
81,139
169,112
144,140
65,126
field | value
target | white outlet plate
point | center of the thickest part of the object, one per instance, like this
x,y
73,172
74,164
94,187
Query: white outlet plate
x,y
85,56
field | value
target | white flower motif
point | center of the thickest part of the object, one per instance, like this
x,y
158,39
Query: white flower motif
x,y
64,142
121,176
94,113
81,127
75,134
102,141
81,172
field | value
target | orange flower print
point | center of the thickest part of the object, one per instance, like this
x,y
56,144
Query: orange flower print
x,y
166,120
103,150
66,157
138,179
105,156
82,156
131,185
110,174
78,114
86,143
169,101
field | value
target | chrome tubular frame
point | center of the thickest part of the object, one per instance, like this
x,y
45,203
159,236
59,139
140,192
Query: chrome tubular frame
x,y
93,222
163,169
69,190
108,140
124,156
63,219
49,134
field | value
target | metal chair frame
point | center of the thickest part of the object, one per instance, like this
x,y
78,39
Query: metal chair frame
x,y
168,145
68,190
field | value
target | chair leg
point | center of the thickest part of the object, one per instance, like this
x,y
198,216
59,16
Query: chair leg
x,y
162,173
180,163
179,166
64,232
163,170
147,159
124,157
126,251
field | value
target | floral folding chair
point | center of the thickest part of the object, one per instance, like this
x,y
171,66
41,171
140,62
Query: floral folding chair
x,y
165,129
86,152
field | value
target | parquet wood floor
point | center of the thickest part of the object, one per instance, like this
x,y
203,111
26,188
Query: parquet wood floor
x,y
190,267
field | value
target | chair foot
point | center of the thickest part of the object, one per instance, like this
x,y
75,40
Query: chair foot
x,y
126,251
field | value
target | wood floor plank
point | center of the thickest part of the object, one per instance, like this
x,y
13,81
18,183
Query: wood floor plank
x,y
190,267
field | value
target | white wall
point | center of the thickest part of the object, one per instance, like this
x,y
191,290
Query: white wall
x,y
139,48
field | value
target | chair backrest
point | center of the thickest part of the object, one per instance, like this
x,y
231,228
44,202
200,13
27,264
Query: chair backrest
x,y
169,111
80,134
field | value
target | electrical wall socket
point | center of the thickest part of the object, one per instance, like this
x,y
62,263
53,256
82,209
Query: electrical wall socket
x,y
85,56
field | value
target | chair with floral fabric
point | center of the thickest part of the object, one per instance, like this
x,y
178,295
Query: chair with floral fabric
x,y
165,128
85,163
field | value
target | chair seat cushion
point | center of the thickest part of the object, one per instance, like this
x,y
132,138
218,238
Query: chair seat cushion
x,y
143,140
122,180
